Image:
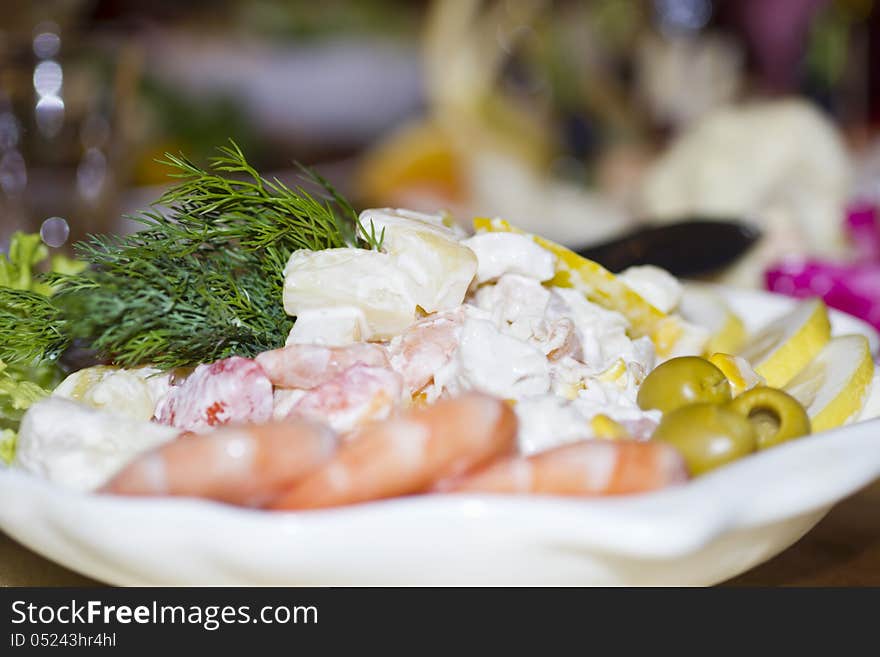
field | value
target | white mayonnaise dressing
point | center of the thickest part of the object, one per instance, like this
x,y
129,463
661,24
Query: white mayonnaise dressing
x,y
547,421
515,303
500,364
509,253
331,327
511,329
656,286
602,332
692,340
81,447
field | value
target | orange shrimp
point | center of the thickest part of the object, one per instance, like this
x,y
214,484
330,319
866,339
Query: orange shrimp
x,y
309,365
244,465
563,340
424,347
589,467
357,395
407,454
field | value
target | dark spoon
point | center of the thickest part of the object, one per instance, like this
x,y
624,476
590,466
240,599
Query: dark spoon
x,y
692,247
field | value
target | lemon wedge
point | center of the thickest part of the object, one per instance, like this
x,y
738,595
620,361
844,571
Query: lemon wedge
x,y
834,385
783,348
607,429
738,371
598,284
703,307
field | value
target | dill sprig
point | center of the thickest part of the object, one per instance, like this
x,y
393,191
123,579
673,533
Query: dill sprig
x,y
260,211
203,280
31,327
369,238
209,210
174,312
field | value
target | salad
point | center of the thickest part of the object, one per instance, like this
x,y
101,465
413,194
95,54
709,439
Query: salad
x,y
262,346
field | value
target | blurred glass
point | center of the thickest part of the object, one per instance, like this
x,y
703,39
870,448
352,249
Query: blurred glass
x,y
49,89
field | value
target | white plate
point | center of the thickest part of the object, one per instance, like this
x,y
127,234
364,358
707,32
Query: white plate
x,y
704,532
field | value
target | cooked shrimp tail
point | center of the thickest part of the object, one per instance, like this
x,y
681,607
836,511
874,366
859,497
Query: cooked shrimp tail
x,y
247,465
590,467
409,453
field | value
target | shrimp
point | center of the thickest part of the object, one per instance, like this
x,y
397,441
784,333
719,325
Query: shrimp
x,y
562,340
247,465
231,390
309,365
407,454
349,399
589,467
424,347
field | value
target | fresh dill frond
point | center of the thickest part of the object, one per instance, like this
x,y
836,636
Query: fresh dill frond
x,y
178,312
31,326
203,280
208,208
373,242
354,230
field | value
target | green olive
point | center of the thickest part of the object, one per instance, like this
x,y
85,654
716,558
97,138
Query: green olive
x,y
681,381
707,435
775,415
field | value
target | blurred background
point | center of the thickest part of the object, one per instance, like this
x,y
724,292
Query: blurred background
x,y
578,119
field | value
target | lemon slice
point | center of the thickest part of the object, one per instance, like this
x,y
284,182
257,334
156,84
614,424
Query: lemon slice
x,y
784,347
833,387
598,284
705,308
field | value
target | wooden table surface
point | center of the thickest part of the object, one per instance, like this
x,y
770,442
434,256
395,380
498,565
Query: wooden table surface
x,y
842,550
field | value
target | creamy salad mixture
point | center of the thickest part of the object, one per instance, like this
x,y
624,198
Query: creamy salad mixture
x,y
453,313
431,315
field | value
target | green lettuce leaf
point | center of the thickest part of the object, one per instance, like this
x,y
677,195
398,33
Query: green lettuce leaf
x,y
26,251
23,384
16,396
18,393
8,440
